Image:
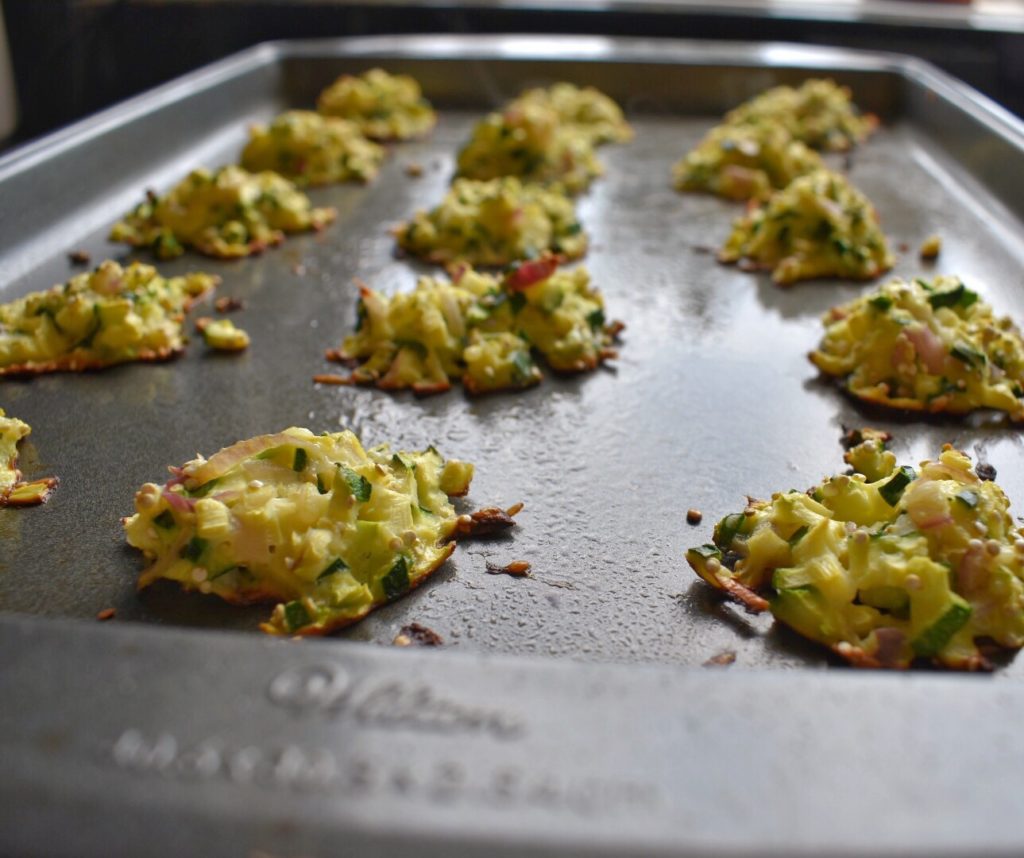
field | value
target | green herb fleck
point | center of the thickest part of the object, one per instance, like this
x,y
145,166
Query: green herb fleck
x,y
798,535
522,367
336,565
194,549
892,491
880,302
968,498
396,581
357,484
958,296
727,528
296,616
165,520
300,459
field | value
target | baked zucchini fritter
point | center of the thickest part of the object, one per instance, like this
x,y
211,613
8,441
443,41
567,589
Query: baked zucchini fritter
x,y
528,140
586,110
13,490
316,523
480,328
744,162
818,226
310,149
227,213
926,346
108,316
913,565
818,113
382,105
494,223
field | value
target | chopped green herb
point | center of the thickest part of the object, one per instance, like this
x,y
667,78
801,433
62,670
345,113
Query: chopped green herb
x,y
320,487
968,498
969,356
958,296
336,565
596,319
892,491
203,490
727,528
165,520
299,462
357,484
517,300
396,581
401,462
522,366
296,616
707,551
194,549
880,302
798,535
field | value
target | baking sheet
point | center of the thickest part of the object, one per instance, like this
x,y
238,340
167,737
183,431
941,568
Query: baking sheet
x,y
711,399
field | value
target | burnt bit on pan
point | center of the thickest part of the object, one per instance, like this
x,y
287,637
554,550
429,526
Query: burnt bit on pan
x,y
415,634
228,304
79,257
486,522
694,516
722,659
106,614
985,471
515,569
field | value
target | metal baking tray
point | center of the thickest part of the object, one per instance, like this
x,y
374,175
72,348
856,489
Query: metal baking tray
x,y
568,713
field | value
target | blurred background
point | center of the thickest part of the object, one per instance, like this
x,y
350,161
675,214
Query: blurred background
x,y
64,59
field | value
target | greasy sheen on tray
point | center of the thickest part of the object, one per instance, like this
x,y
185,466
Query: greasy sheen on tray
x,y
319,525
528,140
13,490
481,328
384,106
226,213
108,316
586,110
494,223
744,162
818,226
819,113
311,149
914,564
926,345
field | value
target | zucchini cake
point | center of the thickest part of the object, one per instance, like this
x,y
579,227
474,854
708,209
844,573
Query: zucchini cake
x,y
744,162
818,226
227,213
317,524
108,316
927,345
586,110
819,113
481,328
311,149
13,490
528,140
916,564
383,106
494,223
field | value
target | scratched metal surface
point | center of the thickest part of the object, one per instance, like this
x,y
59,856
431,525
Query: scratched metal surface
x,y
711,399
